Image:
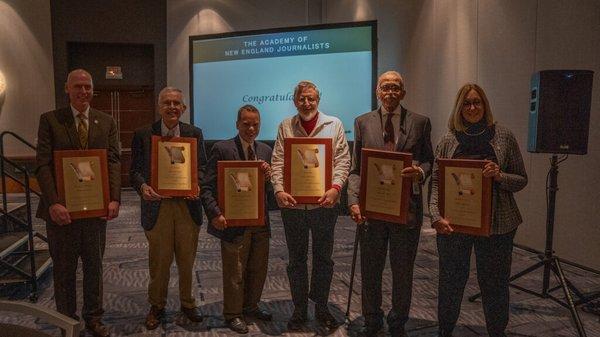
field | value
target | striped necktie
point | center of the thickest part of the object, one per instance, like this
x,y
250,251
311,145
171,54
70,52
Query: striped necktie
x,y
82,130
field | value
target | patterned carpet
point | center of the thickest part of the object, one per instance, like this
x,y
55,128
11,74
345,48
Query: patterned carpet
x,y
126,279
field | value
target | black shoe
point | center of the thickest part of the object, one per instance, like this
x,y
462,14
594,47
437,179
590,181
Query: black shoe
x,y
297,321
370,330
398,332
444,333
193,314
326,319
238,325
259,313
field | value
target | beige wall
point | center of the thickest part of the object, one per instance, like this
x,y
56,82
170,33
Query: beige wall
x,y
26,62
499,44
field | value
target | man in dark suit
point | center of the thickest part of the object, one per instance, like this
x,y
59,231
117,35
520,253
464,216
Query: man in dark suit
x,y
77,127
244,250
171,225
391,127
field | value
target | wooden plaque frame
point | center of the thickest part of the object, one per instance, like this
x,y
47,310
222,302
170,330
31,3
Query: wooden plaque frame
x,y
287,171
486,194
194,190
224,164
59,156
406,159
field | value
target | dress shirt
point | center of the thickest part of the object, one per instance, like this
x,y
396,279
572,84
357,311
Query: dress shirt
x,y
395,121
164,129
86,113
245,145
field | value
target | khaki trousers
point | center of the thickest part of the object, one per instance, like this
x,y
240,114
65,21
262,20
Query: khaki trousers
x,y
174,235
245,264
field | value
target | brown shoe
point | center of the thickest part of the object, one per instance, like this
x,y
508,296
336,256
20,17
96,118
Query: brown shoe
x,y
193,314
97,328
153,317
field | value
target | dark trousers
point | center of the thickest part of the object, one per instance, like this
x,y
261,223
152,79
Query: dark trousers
x,y
245,262
403,242
493,259
320,223
85,239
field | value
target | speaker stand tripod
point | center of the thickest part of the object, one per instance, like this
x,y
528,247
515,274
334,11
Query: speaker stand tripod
x,y
549,261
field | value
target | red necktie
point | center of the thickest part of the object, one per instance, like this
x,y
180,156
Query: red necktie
x,y
251,155
389,136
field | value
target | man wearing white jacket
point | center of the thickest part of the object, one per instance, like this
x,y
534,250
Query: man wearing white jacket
x,y
319,219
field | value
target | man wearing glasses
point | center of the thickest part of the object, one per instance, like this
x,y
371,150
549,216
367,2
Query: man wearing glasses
x,y
171,225
301,220
393,128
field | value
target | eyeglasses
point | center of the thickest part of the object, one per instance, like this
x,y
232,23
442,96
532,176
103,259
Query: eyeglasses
x,y
169,103
390,88
310,99
467,104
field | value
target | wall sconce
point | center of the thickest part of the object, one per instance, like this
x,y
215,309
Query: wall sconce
x,y
2,84
2,90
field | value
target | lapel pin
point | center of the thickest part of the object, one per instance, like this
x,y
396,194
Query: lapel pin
x,y
95,121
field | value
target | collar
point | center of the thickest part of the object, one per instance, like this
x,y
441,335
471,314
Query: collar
x,y
164,129
396,111
321,119
76,112
245,144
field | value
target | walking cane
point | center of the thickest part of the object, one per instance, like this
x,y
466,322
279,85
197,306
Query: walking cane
x,y
357,236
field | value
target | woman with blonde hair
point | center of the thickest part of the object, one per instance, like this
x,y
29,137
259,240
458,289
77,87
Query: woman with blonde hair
x,y
473,134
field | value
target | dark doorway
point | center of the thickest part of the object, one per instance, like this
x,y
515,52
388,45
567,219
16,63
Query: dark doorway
x,y
131,107
129,100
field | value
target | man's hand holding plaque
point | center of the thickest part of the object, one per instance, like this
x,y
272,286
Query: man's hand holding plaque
x,y
386,177
174,168
82,186
241,192
307,172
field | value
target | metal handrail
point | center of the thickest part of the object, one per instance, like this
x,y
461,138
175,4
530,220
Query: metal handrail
x,y
3,174
22,170
13,218
3,158
4,133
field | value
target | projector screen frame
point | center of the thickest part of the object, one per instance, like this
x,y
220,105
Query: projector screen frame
x,y
370,23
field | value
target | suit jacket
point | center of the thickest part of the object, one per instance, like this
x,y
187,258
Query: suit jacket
x,y
58,131
141,148
230,149
414,137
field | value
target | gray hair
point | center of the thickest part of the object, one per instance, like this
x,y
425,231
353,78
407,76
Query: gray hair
x,y
305,85
171,89
393,73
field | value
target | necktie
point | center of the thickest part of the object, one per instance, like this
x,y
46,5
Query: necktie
x,y
389,136
251,155
82,130
171,133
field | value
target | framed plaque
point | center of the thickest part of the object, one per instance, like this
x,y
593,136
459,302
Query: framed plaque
x,y
174,166
241,186
307,168
465,195
82,182
384,194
